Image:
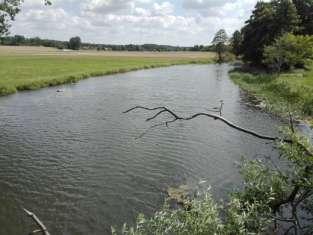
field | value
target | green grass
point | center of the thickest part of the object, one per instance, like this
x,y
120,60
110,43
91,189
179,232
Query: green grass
x,y
30,72
286,92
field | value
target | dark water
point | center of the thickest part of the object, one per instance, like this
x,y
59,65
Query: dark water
x,y
74,160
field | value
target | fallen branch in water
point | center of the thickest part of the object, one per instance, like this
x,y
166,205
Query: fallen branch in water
x,y
213,116
42,227
176,117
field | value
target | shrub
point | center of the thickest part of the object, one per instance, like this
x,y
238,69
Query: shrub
x,y
289,51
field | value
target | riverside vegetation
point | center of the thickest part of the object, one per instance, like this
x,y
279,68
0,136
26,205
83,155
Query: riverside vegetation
x,y
276,45
281,93
290,88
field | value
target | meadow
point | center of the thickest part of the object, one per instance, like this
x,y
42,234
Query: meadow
x,y
283,93
30,68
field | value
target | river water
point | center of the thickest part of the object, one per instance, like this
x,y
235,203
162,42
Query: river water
x,y
75,160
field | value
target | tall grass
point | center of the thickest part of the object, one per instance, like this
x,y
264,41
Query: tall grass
x,y
282,94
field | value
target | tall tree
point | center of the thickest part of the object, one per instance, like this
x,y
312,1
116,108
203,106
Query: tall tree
x,y
236,42
286,17
268,21
305,11
219,41
256,32
8,10
75,43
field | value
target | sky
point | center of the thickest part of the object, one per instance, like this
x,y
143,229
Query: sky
x,y
167,22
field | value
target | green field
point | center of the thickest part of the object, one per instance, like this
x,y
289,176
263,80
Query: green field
x,y
27,68
288,92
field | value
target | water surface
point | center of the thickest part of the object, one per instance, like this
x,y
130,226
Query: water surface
x,y
73,158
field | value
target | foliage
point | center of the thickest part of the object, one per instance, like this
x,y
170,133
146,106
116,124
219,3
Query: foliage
x,y
305,9
8,10
201,218
289,51
283,93
271,200
236,41
201,48
15,41
74,43
219,41
281,191
268,21
220,37
20,40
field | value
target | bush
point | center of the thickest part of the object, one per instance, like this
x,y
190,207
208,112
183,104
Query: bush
x,y
202,216
289,51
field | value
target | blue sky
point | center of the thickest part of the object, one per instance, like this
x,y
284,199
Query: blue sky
x,y
173,22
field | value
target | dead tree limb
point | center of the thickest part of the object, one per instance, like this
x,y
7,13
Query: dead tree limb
x,y
176,117
212,116
38,222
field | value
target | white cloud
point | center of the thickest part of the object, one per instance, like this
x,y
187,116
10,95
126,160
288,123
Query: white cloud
x,y
201,4
184,22
108,6
164,8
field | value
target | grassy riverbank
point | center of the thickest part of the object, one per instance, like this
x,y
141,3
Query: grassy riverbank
x,y
283,93
30,68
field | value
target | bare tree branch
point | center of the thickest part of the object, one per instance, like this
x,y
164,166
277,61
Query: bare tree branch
x,y
176,117
38,222
213,116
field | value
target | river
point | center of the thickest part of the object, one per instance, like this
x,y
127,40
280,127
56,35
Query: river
x,y
75,160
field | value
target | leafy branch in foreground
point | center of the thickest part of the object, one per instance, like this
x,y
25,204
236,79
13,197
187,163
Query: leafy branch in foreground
x,y
273,199
8,10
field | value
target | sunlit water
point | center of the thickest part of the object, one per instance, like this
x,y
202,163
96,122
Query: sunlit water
x,y
74,159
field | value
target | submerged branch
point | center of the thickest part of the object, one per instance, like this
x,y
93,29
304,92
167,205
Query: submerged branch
x,y
38,222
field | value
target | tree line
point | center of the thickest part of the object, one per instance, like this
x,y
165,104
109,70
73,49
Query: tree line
x,y
75,43
278,35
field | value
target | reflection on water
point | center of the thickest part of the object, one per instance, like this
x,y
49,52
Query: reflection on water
x,y
73,158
